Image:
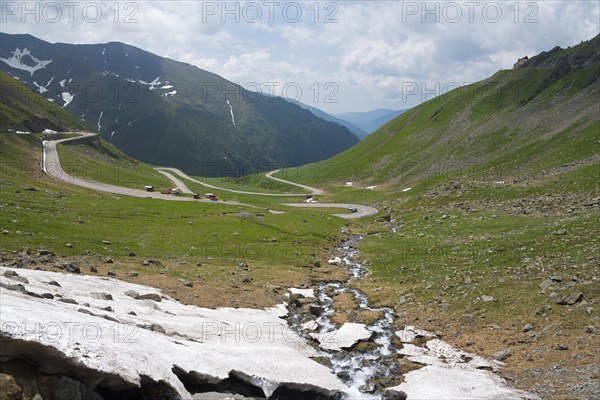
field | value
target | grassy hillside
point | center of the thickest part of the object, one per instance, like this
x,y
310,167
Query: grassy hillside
x,y
515,124
101,161
23,110
197,242
493,196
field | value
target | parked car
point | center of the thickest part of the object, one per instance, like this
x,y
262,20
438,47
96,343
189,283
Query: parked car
x,y
353,209
211,196
196,195
149,188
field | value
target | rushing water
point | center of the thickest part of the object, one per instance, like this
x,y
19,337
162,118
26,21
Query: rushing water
x,y
357,368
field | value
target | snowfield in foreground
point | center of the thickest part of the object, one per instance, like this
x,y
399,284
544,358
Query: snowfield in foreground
x,y
117,336
96,326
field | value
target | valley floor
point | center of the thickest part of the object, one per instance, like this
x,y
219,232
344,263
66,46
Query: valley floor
x,y
485,266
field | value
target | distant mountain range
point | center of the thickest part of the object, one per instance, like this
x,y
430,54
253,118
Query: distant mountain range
x,y
170,113
359,123
359,132
370,121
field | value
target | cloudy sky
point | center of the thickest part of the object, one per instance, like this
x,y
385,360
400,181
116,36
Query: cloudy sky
x,y
339,56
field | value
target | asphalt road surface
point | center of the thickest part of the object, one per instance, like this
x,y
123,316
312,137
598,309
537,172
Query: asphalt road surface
x,y
361,210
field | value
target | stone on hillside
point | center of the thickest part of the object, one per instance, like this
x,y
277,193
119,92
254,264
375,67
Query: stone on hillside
x,y
590,329
294,299
570,299
111,273
67,300
467,318
502,354
528,327
545,285
151,304
73,267
151,296
93,270
106,242
394,394
15,277
101,296
132,294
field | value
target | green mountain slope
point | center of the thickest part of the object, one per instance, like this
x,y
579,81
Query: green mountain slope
x,y
23,110
515,124
166,112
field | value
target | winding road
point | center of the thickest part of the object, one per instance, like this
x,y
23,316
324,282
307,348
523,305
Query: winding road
x,y
51,166
314,191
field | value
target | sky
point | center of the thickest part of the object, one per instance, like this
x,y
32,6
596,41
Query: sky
x,y
339,56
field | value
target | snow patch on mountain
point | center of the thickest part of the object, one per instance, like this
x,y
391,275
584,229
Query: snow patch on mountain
x,y
171,93
153,84
22,59
99,118
231,111
167,87
44,88
67,98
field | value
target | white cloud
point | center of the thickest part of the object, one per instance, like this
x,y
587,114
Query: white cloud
x,y
373,50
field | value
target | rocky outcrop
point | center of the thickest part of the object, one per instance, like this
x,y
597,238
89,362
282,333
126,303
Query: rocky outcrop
x,y
585,54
